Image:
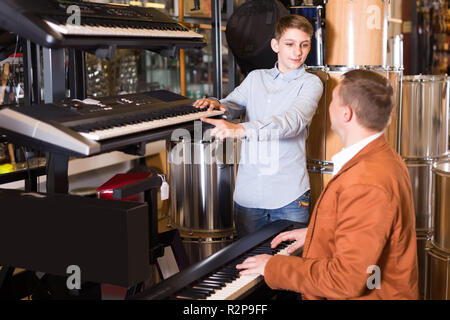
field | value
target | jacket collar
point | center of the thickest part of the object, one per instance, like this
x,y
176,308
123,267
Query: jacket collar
x,y
374,146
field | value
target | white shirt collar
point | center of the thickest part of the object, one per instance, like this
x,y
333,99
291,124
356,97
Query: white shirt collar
x,y
346,154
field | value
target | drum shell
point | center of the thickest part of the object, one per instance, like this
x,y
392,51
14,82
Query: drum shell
x,y
322,143
422,239
437,283
425,117
356,32
421,182
441,204
319,176
201,186
314,15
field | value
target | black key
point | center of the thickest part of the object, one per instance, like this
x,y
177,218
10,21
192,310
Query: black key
x,y
213,281
191,294
209,285
219,277
204,287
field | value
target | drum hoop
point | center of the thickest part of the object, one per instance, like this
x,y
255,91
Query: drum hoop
x,y
350,68
306,7
431,159
432,246
440,171
426,78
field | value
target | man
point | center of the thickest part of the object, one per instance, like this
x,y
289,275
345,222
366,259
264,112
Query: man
x,y
360,243
272,181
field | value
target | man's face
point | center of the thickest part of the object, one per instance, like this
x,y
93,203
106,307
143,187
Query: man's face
x,y
292,49
335,110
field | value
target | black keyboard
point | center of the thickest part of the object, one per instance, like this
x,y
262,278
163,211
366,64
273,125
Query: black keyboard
x,y
57,24
216,277
93,126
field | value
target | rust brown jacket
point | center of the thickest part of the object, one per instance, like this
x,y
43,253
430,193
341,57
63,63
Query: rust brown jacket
x,y
364,217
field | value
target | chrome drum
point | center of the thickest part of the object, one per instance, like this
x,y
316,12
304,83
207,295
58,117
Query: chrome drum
x,y
425,117
202,185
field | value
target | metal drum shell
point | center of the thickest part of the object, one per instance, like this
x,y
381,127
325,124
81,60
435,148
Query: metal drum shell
x,y
201,187
423,237
199,246
356,32
420,173
441,204
437,270
425,117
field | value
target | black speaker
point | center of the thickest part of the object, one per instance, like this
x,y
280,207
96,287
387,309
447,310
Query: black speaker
x,y
249,32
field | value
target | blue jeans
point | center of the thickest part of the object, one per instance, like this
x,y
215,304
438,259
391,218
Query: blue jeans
x,y
248,220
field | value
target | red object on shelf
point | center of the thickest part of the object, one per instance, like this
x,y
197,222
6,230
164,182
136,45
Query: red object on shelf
x,y
105,191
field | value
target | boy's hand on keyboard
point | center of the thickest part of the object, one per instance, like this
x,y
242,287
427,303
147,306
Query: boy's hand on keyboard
x,y
211,104
297,235
254,265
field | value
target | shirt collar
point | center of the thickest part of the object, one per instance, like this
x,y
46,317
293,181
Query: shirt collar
x,y
346,154
291,75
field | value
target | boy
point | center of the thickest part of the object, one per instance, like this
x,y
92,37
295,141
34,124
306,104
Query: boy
x,y
272,181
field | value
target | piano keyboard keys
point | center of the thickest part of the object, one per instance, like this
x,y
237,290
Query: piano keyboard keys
x,y
110,130
122,31
225,283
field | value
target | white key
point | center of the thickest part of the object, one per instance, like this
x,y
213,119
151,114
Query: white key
x,y
240,285
117,31
98,135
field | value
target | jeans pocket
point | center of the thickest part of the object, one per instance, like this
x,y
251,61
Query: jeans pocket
x,y
305,199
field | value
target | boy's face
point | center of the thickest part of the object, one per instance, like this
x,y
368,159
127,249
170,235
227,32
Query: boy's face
x,y
292,49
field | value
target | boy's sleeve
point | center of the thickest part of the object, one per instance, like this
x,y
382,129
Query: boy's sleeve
x,y
237,100
292,122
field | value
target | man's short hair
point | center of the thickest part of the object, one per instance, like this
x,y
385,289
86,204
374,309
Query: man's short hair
x,y
293,21
371,97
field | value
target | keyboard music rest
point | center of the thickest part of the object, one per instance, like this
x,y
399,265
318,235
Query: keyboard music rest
x,y
47,22
179,282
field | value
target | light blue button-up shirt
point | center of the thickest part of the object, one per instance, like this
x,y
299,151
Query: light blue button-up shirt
x,y
279,107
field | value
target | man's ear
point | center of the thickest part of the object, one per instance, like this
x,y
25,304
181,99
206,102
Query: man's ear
x,y
274,45
348,113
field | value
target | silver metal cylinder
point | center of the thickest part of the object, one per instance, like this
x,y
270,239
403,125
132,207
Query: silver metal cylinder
x,y
441,204
201,186
437,283
421,182
425,117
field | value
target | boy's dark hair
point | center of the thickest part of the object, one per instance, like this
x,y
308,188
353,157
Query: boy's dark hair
x,y
371,97
293,21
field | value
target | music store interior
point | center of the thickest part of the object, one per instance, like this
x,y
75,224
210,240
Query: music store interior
x,y
96,97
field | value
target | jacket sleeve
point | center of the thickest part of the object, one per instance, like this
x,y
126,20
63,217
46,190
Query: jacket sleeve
x,y
364,216
292,122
